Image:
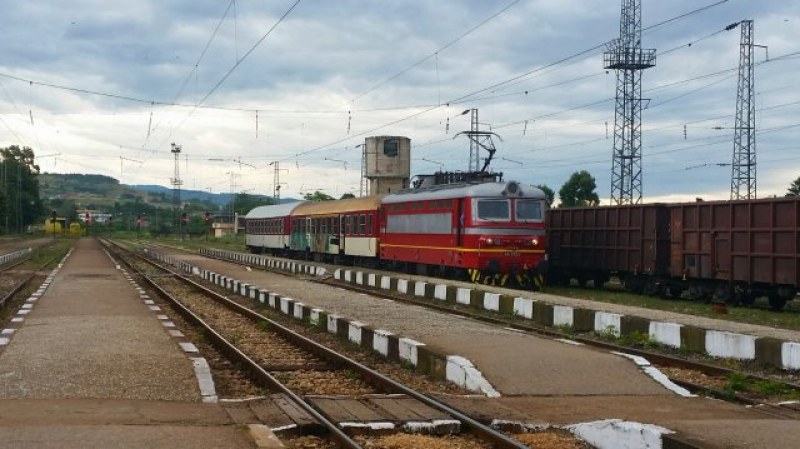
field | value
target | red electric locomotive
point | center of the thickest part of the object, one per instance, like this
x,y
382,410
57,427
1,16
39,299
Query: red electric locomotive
x,y
492,231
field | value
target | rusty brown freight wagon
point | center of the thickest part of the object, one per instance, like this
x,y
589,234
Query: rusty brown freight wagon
x,y
728,250
738,249
593,243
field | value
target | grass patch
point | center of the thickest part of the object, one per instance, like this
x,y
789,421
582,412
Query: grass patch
x,y
637,339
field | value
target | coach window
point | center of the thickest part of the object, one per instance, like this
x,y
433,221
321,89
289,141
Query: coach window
x,y
362,224
369,225
494,210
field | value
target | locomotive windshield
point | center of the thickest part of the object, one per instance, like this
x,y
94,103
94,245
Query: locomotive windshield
x,y
529,210
494,210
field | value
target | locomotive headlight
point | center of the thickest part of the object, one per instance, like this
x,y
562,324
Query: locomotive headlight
x,y
489,241
535,242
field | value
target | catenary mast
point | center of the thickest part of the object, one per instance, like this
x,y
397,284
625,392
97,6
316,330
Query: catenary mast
x,y
626,56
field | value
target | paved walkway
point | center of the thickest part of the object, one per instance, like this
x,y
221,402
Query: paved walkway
x,y
87,364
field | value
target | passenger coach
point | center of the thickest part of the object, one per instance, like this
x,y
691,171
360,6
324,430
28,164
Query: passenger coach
x,y
267,228
338,231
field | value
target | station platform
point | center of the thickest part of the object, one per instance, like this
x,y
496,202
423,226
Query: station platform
x,y
536,380
86,363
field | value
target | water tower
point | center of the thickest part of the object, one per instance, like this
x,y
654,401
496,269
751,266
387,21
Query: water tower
x,y
387,164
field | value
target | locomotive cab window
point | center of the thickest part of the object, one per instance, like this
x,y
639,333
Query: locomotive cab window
x,y
493,210
529,210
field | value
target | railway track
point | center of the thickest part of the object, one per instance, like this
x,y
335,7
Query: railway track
x,y
333,391
14,280
749,388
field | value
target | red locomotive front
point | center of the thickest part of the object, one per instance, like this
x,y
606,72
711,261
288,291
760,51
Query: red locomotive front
x,y
491,232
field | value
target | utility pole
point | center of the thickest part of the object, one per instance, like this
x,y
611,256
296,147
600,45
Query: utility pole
x,y
176,185
276,182
743,173
474,149
626,56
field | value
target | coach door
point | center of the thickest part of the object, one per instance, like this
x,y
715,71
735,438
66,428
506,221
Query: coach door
x,y
460,212
345,227
333,235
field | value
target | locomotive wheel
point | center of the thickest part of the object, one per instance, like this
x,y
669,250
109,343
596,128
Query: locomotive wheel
x,y
533,282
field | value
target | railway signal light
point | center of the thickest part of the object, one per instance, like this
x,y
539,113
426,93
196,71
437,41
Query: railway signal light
x,y
184,218
207,216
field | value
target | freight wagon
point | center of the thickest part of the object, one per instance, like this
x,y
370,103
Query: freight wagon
x,y
727,250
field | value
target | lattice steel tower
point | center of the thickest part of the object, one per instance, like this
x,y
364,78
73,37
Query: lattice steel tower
x,y
743,177
626,56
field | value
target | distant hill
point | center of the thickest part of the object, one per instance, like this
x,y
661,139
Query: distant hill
x,y
198,195
100,190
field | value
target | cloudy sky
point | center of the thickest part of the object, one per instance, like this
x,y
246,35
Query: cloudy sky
x,y
98,86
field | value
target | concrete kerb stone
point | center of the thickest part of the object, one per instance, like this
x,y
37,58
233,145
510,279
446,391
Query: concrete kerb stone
x,y
354,332
333,323
274,300
287,306
607,322
380,341
440,292
300,311
419,288
563,316
407,350
790,355
523,307
402,286
317,317
464,296
668,334
730,345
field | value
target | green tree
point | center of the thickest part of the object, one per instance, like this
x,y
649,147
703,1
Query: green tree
x,y
244,203
20,204
579,191
347,196
794,189
317,196
549,194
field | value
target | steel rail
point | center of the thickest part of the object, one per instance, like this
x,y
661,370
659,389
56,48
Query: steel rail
x,y
24,283
237,356
498,439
